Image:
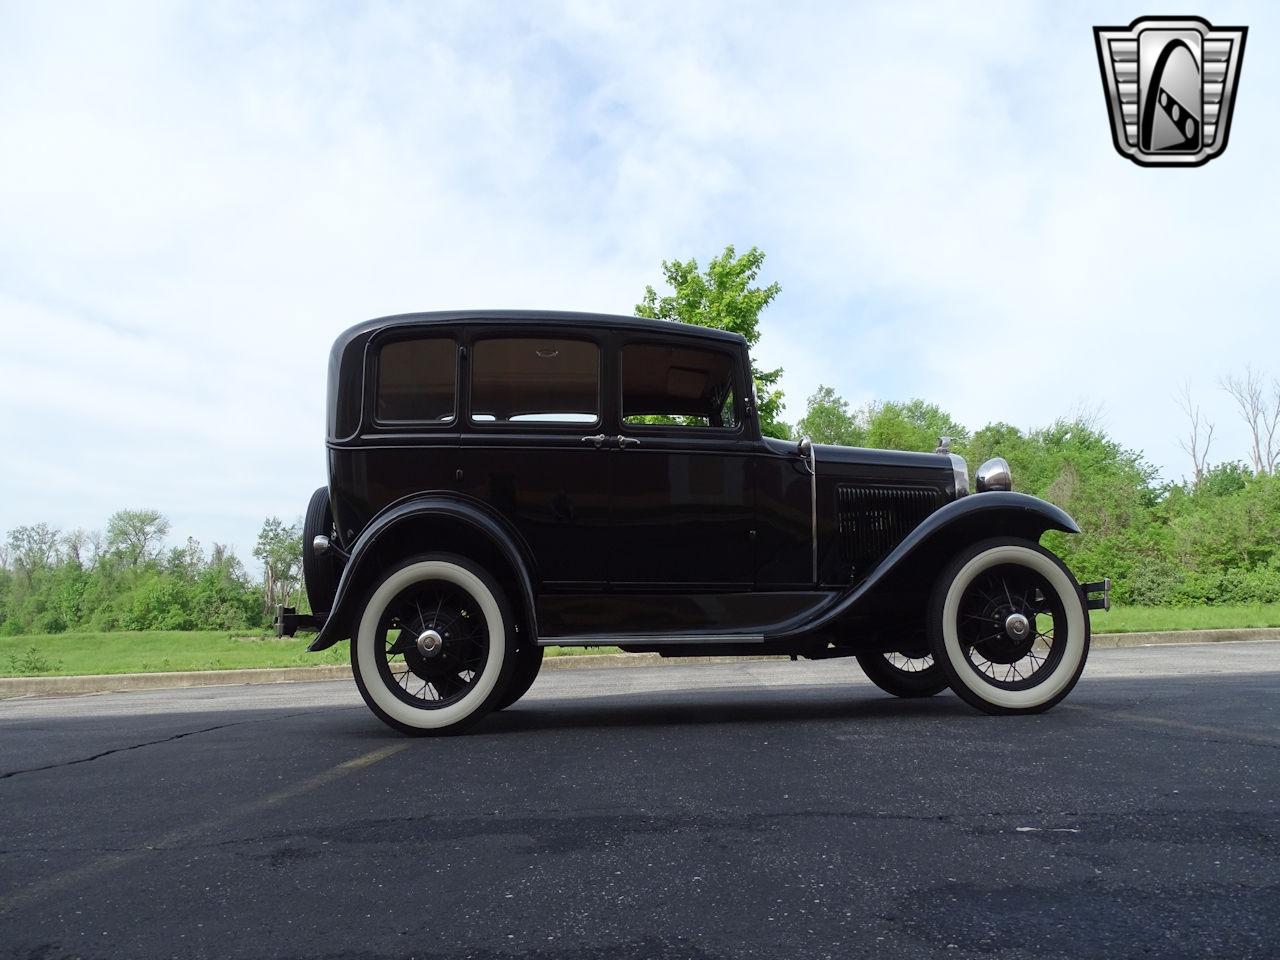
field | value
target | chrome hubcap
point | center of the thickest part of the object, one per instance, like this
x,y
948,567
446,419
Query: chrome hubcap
x,y
1017,626
429,643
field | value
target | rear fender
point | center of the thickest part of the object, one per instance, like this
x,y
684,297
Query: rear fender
x,y
445,521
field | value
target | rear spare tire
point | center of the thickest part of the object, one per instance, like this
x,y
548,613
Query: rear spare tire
x,y
319,573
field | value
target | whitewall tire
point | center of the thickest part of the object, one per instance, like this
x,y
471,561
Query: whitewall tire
x,y
433,646
1009,627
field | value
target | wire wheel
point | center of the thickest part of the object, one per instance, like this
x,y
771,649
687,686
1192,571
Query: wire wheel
x,y
431,644
1010,617
904,673
1008,626
908,664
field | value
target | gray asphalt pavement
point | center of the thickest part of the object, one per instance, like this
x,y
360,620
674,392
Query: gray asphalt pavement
x,y
764,809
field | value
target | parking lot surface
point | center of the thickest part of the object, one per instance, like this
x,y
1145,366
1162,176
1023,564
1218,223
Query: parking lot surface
x,y
762,809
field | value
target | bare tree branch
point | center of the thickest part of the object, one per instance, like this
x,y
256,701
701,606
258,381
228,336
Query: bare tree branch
x,y
1196,446
1090,416
1262,417
1271,421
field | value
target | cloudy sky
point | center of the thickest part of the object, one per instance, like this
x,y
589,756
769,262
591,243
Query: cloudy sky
x,y
194,199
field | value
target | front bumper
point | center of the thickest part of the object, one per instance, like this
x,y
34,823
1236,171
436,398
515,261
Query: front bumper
x,y
1097,595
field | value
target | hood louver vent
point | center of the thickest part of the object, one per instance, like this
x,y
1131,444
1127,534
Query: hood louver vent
x,y
872,520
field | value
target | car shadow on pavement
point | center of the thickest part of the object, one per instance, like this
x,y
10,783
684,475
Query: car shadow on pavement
x,y
1198,699
726,706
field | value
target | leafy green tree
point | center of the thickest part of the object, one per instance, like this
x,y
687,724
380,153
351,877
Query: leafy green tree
x,y
1224,479
187,560
136,535
33,548
1110,490
914,425
280,550
827,420
51,582
76,545
224,597
723,297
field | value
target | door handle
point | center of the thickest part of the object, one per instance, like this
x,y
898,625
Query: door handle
x,y
624,442
597,441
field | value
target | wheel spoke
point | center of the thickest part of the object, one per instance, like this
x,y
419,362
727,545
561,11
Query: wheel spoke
x,y
403,643
448,684
908,664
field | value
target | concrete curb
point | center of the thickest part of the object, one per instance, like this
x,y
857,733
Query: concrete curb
x,y
114,683
1110,640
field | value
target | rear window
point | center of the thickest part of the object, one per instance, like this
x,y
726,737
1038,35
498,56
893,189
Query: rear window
x,y
417,381
535,380
677,386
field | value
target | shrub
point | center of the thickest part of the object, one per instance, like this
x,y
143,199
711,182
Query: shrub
x,y
31,661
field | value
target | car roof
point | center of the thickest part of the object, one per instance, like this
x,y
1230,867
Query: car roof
x,y
539,317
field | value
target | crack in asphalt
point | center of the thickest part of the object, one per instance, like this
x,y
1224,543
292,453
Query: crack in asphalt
x,y
149,743
106,753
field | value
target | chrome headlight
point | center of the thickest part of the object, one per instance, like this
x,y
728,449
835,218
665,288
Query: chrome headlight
x,y
960,471
994,475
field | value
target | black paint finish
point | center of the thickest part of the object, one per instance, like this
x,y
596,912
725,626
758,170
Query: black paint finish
x,y
694,519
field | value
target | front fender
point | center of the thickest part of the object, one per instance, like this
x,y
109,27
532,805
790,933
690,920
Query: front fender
x,y
936,540
445,507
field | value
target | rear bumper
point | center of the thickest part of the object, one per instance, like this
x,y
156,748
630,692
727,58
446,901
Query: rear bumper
x,y
289,621
1097,595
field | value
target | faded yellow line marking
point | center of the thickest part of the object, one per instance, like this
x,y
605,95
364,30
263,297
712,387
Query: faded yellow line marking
x,y
1224,732
103,865
336,773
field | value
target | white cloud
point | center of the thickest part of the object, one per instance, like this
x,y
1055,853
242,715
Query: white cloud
x,y
195,200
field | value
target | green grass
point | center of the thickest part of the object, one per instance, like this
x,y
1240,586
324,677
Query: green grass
x,y
1139,619
578,651
160,651
66,654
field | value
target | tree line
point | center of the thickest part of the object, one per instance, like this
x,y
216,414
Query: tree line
x,y
124,577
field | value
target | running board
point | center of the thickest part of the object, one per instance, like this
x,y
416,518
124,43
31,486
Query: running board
x,y
664,640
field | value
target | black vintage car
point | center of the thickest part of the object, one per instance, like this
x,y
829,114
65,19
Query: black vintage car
x,y
504,481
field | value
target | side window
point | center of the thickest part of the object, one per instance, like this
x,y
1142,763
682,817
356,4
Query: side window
x,y
677,386
417,381
535,380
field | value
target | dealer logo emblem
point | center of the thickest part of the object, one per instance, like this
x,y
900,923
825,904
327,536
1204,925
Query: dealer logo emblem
x,y
1170,84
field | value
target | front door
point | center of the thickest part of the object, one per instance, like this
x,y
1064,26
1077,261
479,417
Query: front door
x,y
681,513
